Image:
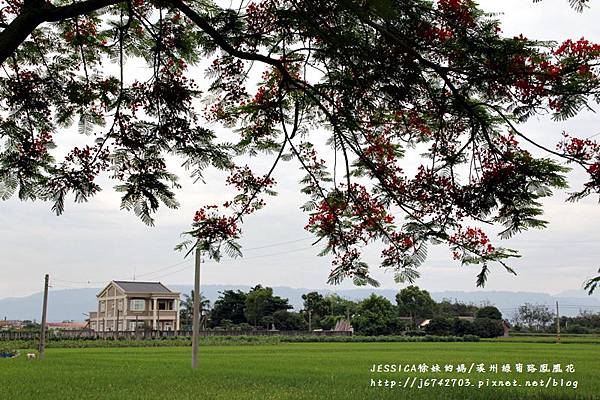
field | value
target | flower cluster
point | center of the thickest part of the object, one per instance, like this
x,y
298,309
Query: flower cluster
x,y
440,34
212,227
84,33
582,49
249,188
88,162
244,180
400,245
470,242
324,218
262,19
458,11
586,152
36,149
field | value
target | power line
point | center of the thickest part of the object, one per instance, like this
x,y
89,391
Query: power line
x,y
184,261
162,269
248,249
594,135
279,243
88,282
235,259
77,282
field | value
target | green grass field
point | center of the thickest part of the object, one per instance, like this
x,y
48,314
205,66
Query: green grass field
x,y
294,371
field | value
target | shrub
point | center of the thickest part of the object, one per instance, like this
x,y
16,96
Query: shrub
x,y
415,333
578,329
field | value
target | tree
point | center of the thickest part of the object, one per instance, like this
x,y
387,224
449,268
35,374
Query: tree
x,y
186,312
439,326
376,315
187,308
382,77
447,309
534,316
260,303
340,307
488,328
288,321
463,327
415,303
490,312
315,304
229,306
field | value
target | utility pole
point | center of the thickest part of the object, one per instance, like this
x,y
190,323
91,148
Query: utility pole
x,y
557,324
43,327
196,316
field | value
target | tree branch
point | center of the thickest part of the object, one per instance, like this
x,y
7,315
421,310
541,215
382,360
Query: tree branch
x,y
33,15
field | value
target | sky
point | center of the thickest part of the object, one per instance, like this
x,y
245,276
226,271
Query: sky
x,y
95,242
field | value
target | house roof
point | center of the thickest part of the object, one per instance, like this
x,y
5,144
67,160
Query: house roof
x,y
142,287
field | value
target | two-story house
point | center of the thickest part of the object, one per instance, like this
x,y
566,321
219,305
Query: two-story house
x,y
125,306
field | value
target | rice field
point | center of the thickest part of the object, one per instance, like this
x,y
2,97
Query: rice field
x,y
309,371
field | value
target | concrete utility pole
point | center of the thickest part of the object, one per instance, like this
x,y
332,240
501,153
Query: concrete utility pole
x,y
557,324
196,316
43,327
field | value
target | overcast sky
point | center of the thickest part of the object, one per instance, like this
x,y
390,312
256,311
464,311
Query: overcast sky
x,y
96,242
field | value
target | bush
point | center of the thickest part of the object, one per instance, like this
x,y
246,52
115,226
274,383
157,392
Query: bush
x,y
577,329
415,333
7,351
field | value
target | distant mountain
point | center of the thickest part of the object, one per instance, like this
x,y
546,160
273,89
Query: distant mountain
x,y
70,304
62,305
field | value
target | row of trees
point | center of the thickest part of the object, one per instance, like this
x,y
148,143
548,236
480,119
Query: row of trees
x,y
375,315
541,318
585,322
257,308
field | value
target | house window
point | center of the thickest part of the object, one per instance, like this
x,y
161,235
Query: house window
x,y
165,304
120,305
102,306
138,305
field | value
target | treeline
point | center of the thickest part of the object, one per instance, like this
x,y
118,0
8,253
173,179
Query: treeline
x,y
414,313
541,318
